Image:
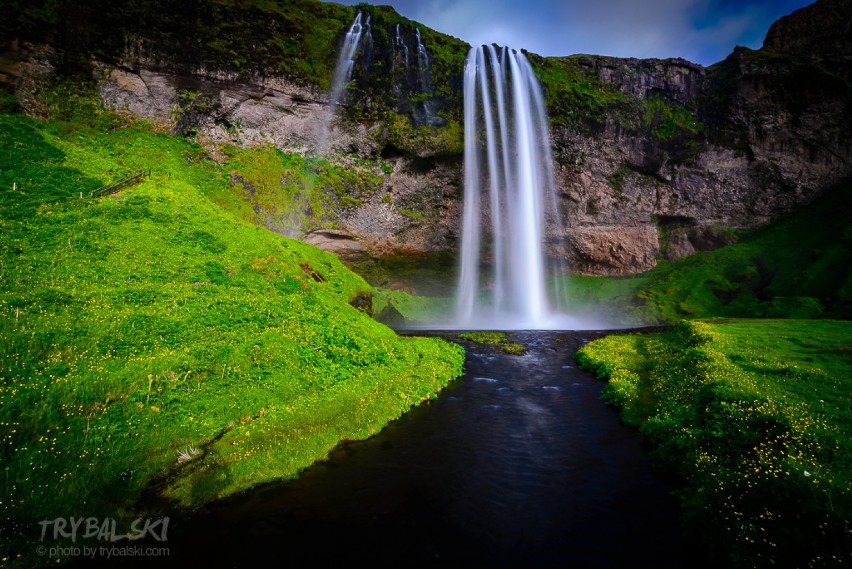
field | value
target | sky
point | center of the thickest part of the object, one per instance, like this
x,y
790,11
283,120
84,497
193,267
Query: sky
x,y
702,31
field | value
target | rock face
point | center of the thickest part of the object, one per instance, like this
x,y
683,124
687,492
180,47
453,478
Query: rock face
x,y
763,152
775,132
223,109
823,30
668,157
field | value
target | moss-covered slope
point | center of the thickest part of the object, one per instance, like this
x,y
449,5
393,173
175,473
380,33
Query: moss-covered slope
x,y
149,335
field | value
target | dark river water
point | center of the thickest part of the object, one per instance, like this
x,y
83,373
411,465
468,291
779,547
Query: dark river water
x,y
517,464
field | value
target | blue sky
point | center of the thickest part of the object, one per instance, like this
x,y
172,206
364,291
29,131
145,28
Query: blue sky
x,y
702,31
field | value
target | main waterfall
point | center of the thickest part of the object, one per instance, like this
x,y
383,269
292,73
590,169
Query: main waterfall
x,y
509,197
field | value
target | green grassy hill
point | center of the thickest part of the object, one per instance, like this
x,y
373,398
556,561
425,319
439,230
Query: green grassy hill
x,y
750,411
754,416
800,267
152,336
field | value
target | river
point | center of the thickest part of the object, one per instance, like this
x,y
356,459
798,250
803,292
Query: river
x,y
516,464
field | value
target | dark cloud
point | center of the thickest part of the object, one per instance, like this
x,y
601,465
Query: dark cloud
x,y
704,31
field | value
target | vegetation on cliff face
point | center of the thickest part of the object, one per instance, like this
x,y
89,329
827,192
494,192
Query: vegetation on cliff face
x,y
292,39
150,335
296,39
755,417
290,193
666,119
575,97
382,79
130,322
403,136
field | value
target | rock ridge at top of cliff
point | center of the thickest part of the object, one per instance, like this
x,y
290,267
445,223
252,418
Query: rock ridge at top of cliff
x,y
822,29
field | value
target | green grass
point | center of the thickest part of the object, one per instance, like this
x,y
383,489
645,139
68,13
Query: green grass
x,y
667,119
414,308
484,337
444,141
513,349
755,416
800,267
575,97
614,299
290,193
500,339
136,326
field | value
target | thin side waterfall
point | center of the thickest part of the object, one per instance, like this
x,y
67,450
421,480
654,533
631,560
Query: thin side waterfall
x,y
346,58
425,75
400,42
509,198
357,34
423,65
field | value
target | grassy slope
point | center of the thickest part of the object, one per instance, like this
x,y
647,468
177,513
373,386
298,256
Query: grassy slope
x,y
288,192
151,322
742,410
755,416
800,267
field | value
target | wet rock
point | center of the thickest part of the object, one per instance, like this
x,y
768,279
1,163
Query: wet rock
x,y
342,243
392,317
363,301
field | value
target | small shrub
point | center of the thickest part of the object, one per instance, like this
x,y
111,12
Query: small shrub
x,y
484,337
513,348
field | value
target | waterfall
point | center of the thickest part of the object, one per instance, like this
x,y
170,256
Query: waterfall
x,y
357,34
509,196
423,66
401,43
428,116
346,58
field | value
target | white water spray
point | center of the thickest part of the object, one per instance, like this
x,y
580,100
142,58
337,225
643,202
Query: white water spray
x,y
508,182
346,58
425,75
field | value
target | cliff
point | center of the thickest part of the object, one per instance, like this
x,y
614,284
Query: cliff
x,y
655,158
687,152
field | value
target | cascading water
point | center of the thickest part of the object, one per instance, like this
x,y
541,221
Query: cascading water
x,y
427,116
357,33
400,42
423,65
346,58
510,184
